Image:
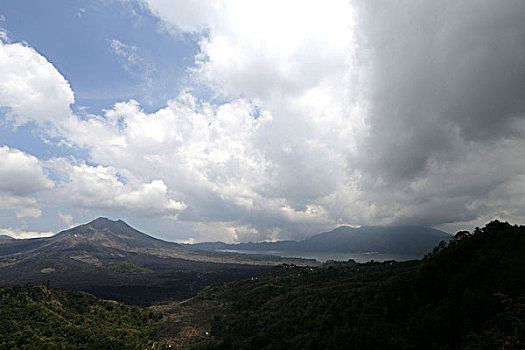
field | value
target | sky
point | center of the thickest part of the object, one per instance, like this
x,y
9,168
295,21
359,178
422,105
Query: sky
x,y
241,120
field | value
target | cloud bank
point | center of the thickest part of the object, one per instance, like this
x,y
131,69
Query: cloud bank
x,y
321,114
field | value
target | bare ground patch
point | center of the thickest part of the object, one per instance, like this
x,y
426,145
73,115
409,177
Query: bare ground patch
x,y
186,322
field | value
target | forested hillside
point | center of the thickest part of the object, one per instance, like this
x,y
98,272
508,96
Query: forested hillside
x,y
467,294
34,317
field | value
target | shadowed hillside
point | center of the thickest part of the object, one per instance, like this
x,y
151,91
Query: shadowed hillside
x,y
34,317
467,294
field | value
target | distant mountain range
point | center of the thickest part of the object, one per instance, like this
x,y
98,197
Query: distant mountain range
x,y
409,240
113,260
5,237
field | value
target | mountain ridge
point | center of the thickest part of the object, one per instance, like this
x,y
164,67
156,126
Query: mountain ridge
x,y
112,234
117,237
345,239
94,256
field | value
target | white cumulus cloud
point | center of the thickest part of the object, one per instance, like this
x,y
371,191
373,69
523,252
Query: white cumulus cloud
x,y
22,206
30,87
18,233
103,188
21,174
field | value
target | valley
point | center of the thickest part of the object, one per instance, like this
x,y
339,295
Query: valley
x,y
464,294
274,175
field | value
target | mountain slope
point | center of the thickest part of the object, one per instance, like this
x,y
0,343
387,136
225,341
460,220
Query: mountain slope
x,y
108,240
103,234
396,239
113,260
410,240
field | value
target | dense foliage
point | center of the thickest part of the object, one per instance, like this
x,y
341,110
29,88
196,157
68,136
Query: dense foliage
x,y
34,317
129,267
467,294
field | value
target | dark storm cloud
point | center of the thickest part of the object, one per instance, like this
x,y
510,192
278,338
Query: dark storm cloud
x,y
439,69
446,91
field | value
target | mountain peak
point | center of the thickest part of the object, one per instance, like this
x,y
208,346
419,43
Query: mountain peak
x,y
104,232
103,220
105,223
